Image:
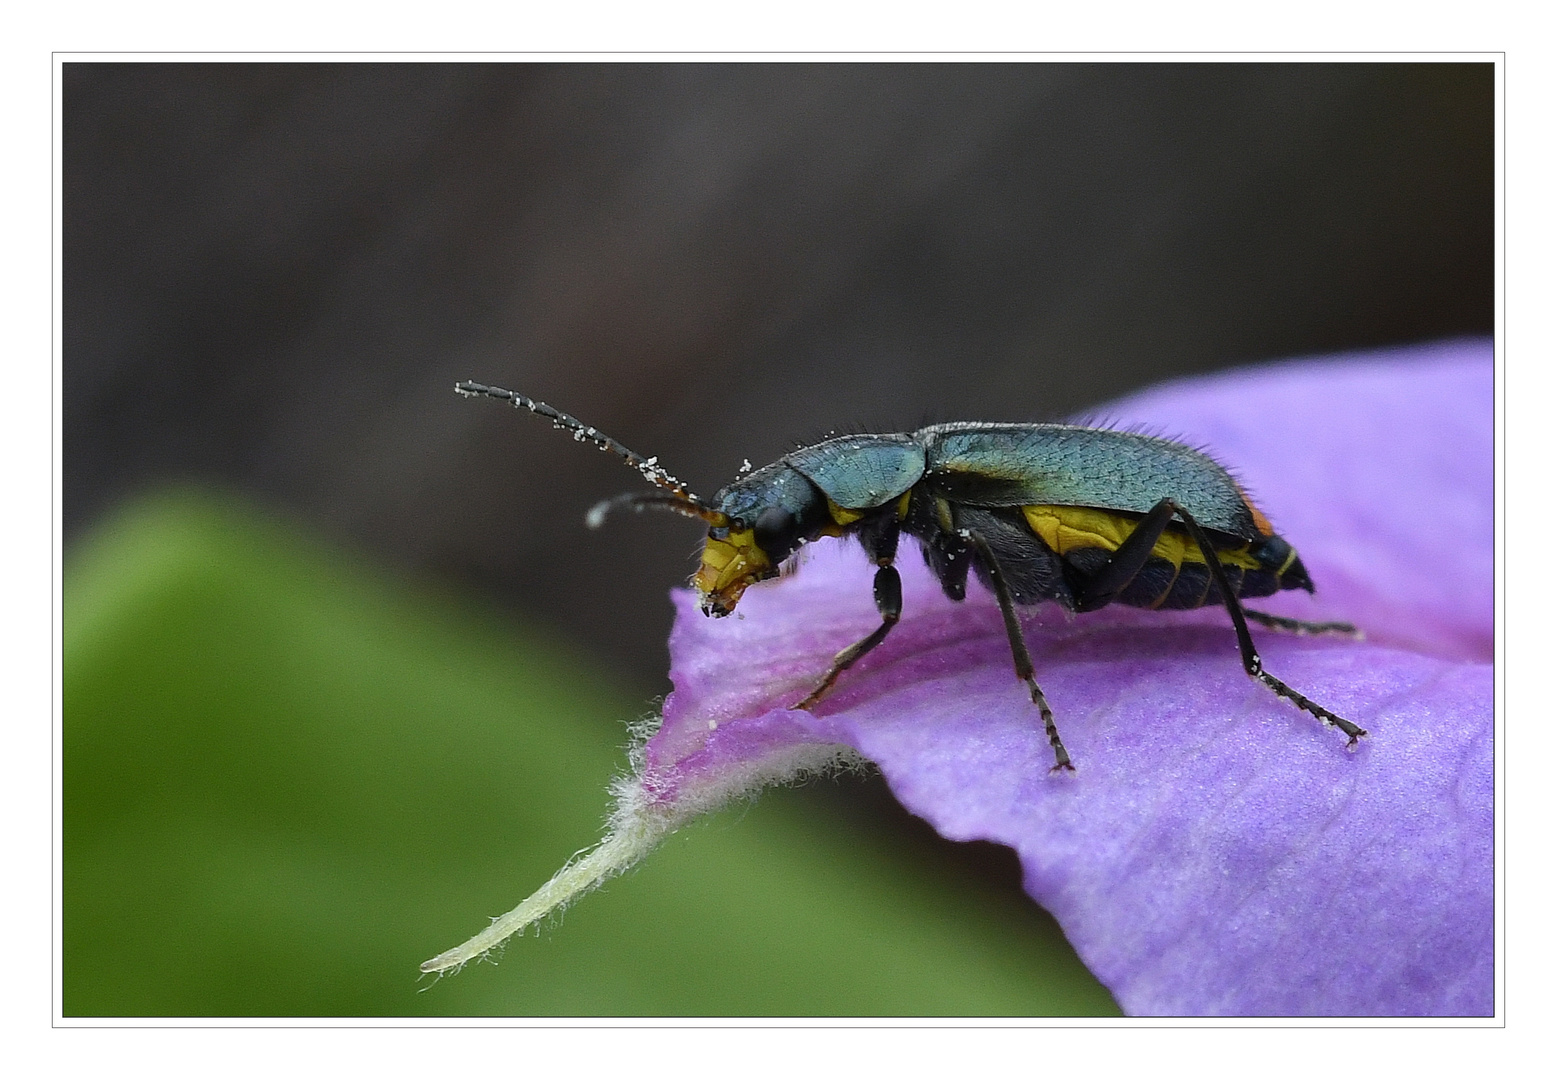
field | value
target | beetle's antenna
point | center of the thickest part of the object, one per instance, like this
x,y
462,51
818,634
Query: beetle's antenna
x,y
678,498
651,500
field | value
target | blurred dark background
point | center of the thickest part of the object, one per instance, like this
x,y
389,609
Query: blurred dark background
x,y
275,273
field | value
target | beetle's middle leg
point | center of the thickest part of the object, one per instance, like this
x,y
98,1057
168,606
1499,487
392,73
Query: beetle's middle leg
x,y
1019,654
879,538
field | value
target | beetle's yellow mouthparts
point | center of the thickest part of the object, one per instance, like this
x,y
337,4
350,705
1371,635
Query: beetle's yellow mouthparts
x,y
729,566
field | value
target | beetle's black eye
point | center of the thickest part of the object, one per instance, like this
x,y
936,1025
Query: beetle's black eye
x,y
775,530
719,532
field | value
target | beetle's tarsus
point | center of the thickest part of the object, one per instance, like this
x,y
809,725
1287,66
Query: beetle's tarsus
x,y
1313,708
1303,628
811,700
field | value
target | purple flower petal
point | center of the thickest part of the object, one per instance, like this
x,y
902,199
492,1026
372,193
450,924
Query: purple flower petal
x,y
1218,852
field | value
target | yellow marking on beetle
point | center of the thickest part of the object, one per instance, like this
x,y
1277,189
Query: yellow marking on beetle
x,y
729,566
1066,528
943,515
1291,558
1167,591
842,515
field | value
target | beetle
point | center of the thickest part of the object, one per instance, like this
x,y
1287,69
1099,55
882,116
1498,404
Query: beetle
x,y
1084,517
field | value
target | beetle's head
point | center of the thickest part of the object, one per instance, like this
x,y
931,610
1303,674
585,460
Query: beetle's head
x,y
767,514
732,560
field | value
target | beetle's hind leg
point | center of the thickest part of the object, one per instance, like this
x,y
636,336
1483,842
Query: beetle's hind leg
x,y
1019,654
1251,659
1305,629
1113,577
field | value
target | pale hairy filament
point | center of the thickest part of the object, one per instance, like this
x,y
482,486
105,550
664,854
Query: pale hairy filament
x,y
616,853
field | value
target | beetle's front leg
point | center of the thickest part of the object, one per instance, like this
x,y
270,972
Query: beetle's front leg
x,y
878,536
889,601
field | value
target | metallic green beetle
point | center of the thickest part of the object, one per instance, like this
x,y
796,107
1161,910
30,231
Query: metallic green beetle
x,y
1085,517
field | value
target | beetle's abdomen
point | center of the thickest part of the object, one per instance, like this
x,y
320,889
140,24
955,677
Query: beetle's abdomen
x,y
1176,575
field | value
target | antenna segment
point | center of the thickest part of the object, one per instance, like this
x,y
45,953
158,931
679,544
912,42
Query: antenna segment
x,y
648,467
